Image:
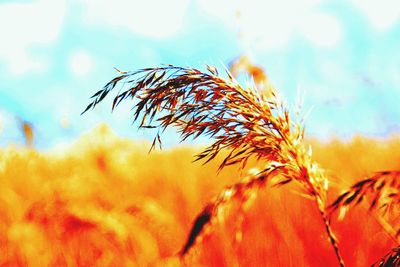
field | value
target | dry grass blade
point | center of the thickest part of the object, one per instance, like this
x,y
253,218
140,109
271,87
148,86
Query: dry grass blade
x,y
242,121
392,259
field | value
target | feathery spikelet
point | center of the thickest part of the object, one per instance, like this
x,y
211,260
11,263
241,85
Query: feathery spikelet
x,y
384,190
242,121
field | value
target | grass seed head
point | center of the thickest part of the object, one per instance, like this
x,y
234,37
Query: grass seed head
x,y
243,122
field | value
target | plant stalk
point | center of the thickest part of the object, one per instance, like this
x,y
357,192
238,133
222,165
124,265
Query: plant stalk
x,y
328,229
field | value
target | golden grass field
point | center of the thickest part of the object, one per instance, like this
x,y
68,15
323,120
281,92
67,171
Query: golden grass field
x,y
104,201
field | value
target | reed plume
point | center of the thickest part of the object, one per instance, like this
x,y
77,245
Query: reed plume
x,y
383,189
241,121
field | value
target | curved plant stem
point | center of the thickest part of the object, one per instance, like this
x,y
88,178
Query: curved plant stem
x,y
329,231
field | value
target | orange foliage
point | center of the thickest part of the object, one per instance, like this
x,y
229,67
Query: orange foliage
x,y
106,202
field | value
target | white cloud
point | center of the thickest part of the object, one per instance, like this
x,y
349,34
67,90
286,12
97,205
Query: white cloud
x,y
266,24
80,63
382,14
322,29
24,25
152,18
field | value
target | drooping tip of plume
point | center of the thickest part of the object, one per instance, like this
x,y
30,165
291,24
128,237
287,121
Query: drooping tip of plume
x,y
201,221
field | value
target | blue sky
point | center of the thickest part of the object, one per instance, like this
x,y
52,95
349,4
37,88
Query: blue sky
x,y
343,56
